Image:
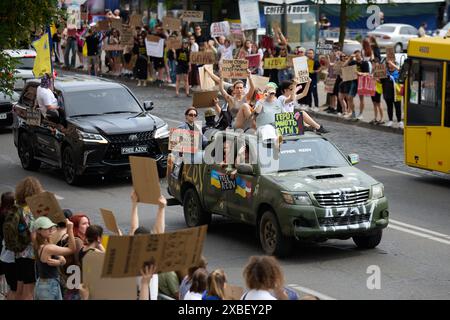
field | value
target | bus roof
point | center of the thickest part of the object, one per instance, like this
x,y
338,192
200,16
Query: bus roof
x,y
430,47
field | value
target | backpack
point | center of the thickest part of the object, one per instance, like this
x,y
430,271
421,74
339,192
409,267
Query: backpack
x,y
16,235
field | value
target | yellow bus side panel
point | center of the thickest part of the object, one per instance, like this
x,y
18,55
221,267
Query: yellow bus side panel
x,y
438,143
416,146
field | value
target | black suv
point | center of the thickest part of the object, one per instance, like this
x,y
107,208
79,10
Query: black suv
x,y
100,123
6,105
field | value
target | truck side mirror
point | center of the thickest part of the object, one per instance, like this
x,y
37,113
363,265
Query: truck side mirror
x,y
245,168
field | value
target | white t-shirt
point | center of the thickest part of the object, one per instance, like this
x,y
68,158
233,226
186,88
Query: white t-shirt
x,y
287,107
258,295
192,296
227,53
45,97
153,286
194,47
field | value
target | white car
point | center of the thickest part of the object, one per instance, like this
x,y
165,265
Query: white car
x,y
24,69
442,32
395,35
350,46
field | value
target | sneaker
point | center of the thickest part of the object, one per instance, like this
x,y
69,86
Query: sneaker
x,y
139,84
322,130
327,109
339,114
389,124
379,123
347,115
400,125
360,116
315,109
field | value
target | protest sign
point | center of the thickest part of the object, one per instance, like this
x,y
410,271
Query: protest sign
x,y
329,85
154,49
45,204
174,43
289,123
235,69
301,69
275,63
182,140
253,60
324,48
102,25
136,20
236,31
74,16
249,13
260,82
110,221
192,16
116,24
204,99
366,86
220,29
379,71
33,117
206,82
126,37
145,179
337,68
103,288
172,251
202,57
349,73
112,47
172,24
289,62
390,54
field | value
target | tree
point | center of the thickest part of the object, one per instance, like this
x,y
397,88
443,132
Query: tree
x,y
20,20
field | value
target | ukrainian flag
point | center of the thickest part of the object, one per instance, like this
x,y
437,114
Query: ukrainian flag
x,y
215,181
241,187
43,61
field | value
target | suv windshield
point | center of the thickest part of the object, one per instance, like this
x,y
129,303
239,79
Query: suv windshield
x,y
304,154
100,101
25,63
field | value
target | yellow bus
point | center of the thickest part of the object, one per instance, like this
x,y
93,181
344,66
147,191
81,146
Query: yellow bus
x,y
427,104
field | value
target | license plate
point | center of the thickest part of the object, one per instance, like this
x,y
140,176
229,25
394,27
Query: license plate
x,y
137,149
3,116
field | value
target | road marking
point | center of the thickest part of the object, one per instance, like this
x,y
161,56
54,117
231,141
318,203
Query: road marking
x,y
410,226
397,171
419,234
319,295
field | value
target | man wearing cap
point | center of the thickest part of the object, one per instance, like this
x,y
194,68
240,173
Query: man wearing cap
x,y
210,117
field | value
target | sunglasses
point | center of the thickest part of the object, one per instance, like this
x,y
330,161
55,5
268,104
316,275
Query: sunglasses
x,y
192,115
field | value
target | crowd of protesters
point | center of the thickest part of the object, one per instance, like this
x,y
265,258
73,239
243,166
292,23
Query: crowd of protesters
x,y
36,253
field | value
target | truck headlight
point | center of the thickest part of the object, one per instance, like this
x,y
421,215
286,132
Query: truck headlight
x,y
91,137
162,132
301,198
377,191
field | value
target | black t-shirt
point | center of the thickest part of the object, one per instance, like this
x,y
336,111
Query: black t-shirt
x,y
92,43
201,39
362,66
182,57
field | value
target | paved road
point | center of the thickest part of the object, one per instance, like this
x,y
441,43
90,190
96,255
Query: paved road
x,y
413,256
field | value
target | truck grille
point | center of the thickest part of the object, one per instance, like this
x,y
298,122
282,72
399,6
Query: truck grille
x,y
343,221
343,198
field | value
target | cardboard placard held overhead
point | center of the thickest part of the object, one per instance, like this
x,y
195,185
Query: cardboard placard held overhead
x,y
153,38
275,63
260,82
202,57
174,43
192,16
136,20
220,29
145,179
301,69
116,24
235,69
349,73
126,37
45,204
182,140
379,71
204,99
324,48
104,288
110,221
206,82
172,251
390,54
102,25
172,24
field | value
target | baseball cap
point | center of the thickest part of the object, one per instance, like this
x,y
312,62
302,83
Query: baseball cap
x,y
302,49
271,87
43,223
210,112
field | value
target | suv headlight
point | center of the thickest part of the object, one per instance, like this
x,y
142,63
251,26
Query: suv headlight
x,y
91,137
162,132
377,191
301,198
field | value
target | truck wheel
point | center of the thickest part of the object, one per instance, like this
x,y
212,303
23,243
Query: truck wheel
x,y
69,167
368,241
272,240
26,154
194,214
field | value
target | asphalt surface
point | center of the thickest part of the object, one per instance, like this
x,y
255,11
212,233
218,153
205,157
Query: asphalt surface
x,y
413,257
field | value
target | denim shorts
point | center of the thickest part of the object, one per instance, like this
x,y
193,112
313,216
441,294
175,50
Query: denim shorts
x,y
47,289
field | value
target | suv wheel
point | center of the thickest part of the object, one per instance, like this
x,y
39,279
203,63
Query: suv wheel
x,y
398,48
272,240
26,155
69,168
194,214
368,241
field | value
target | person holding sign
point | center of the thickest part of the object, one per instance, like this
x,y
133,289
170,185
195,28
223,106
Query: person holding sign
x,y
390,93
191,115
265,111
183,67
347,91
363,67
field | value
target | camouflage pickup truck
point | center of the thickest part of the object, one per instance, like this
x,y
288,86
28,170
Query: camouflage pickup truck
x,y
303,188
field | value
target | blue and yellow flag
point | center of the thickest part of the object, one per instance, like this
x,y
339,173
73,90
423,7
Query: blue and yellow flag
x,y
43,61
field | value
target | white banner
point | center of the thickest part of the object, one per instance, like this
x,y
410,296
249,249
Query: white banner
x,y
301,69
220,29
155,49
249,12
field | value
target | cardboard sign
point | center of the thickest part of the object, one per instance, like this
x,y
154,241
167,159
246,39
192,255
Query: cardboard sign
x,y
275,63
116,24
33,117
145,179
192,16
329,85
233,292
253,60
103,288
113,47
249,13
289,123
172,251
45,204
324,48
110,221
202,57
182,140
172,24
260,82
366,86
155,49
220,29
379,71
126,37
236,31
136,20
349,73
204,99
153,38
206,82
337,68
301,69
102,25
235,69
174,43
390,54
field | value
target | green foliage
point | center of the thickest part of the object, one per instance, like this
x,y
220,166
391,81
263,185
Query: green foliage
x,y
7,68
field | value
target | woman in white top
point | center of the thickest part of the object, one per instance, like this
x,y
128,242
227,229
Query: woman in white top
x,y
264,279
198,286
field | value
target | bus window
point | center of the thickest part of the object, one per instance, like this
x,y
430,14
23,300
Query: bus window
x,y
447,98
424,92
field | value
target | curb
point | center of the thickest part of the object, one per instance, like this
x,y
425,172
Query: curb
x,y
317,115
